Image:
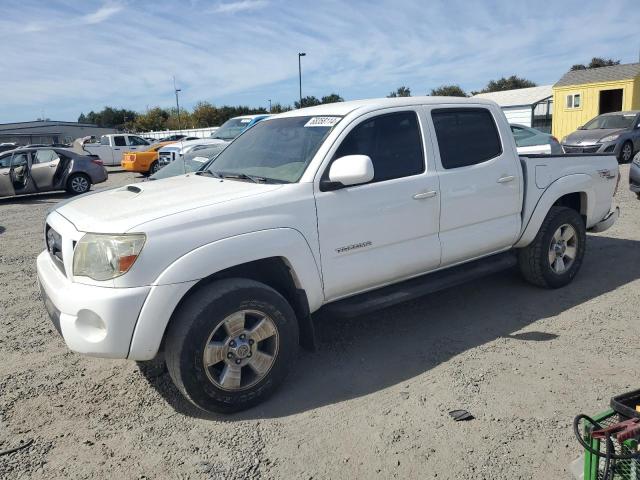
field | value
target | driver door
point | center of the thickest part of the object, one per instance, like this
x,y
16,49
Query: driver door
x,y
6,185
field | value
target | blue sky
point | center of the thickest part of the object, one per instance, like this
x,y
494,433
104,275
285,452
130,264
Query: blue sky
x,y
61,57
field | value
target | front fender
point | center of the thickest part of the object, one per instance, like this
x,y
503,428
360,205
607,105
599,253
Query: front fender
x,y
577,183
177,279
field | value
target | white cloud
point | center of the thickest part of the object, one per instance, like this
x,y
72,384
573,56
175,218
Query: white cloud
x,y
100,15
239,6
357,49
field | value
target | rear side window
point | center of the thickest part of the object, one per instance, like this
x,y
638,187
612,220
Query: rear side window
x,y
119,141
466,136
393,143
45,156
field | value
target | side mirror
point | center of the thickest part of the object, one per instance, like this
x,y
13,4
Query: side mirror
x,y
581,127
349,170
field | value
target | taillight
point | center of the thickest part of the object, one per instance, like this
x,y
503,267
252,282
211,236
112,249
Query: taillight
x,y
97,162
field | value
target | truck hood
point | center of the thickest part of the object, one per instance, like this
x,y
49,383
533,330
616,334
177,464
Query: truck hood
x,y
591,136
120,209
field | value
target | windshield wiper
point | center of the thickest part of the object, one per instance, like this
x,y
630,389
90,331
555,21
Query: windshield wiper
x,y
209,173
244,176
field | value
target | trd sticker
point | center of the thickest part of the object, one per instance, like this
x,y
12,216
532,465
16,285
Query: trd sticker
x,y
322,122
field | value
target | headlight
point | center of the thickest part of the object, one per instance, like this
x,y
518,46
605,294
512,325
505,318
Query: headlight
x,y
564,139
610,138
636,159
103,257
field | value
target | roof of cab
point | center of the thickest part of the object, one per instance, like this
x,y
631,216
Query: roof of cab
x,y
344,108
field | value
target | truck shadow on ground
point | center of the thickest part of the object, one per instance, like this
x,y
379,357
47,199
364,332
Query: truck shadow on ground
x,y
362,355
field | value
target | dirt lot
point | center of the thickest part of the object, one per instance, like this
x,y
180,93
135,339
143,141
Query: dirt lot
x,y
371,403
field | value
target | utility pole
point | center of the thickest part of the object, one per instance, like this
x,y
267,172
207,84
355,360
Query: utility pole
x,y
176,90
269,105
300,54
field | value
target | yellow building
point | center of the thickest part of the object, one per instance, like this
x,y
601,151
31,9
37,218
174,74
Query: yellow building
x,y
581,95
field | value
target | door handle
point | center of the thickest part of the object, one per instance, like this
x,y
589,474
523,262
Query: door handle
x,y
506,179
429,194
53,165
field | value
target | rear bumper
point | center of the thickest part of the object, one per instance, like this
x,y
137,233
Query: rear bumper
x,y
607,221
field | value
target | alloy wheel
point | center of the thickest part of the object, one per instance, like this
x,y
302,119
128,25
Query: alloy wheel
x,y
563,249
79,184
241,350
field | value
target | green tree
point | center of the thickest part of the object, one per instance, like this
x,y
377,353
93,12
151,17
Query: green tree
x,y
400,92
205,115
279,108
82,118
332,98
310,101
596,62
511,83
152,120
448,91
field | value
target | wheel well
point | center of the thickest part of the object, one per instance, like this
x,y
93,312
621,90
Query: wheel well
x,y
576,201
277,274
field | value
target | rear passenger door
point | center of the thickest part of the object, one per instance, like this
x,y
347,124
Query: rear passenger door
x,y
387,229
44,163
480,182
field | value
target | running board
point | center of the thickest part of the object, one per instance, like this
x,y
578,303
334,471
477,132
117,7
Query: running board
x,y
419,286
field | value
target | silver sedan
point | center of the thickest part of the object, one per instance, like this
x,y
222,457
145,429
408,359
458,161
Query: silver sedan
x,y
43,169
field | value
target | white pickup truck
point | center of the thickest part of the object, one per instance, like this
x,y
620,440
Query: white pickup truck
x,y
111,147
346,207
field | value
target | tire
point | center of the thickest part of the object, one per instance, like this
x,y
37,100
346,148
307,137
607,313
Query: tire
x,y
78,183
208,377
538,261
154,167
626,152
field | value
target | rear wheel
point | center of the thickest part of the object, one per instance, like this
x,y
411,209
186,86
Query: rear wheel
x,y
78,183
626,152
231,344
555,255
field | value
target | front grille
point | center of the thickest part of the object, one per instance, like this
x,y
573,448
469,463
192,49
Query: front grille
x,y
165,157
54,247
586,149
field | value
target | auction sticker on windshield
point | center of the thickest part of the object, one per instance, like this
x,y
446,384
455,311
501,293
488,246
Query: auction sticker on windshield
x,y
322,122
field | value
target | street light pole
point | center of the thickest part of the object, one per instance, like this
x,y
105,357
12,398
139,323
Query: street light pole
x,y
177,102
269,105
300,54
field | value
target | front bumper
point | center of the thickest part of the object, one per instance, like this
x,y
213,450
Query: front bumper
x,y
96,321
607,221
634,178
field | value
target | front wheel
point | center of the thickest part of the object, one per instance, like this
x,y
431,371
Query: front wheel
x,y
231,344
554,257
626,152
78,184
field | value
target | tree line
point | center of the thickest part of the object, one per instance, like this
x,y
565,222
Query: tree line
x,y
204,114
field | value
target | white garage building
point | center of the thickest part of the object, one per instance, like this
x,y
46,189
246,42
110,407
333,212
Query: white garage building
x,y
532,107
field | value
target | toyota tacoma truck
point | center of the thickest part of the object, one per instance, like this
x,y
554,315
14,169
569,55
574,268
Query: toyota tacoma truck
x,y
343,207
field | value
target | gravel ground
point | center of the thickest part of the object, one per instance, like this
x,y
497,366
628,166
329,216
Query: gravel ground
x,y
371,403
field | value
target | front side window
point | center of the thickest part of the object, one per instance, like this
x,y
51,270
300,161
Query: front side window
x,y
466,136
119,141
5,162
19,160
277,150
136,141
392,141
45,156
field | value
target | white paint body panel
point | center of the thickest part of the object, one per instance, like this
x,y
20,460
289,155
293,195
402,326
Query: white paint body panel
x,y
196,226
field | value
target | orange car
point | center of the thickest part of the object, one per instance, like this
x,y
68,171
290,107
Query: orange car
x,y
143,162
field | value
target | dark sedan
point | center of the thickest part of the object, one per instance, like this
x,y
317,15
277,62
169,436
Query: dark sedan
x,y
43,169
634,175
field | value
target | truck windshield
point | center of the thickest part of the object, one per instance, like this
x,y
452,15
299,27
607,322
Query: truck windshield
x,y
610,121
277,150
231,129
